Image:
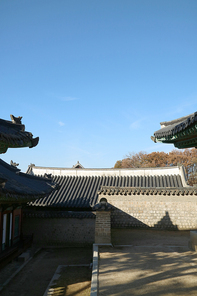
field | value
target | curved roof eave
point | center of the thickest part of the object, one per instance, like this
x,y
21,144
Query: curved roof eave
x,y
175,126
17,185
13,135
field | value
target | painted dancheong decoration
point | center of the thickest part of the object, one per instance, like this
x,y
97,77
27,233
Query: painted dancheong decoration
x,y
181,132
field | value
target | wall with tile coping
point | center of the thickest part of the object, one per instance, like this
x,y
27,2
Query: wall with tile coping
x,y
128,211
160,212
60,231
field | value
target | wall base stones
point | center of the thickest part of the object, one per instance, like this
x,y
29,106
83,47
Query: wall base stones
x,y
193,241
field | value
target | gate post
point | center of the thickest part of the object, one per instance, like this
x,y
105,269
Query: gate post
x,y
103,222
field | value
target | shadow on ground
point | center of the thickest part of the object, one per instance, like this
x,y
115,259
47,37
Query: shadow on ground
x,y
149,237
71,281
157,263
34,278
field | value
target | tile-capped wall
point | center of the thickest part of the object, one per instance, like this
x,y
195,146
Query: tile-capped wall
x,y
159,212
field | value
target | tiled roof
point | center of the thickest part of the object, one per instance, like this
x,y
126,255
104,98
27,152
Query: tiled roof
x,y
82,191
19,187
147,191
13,135
175,126
115,172
78,165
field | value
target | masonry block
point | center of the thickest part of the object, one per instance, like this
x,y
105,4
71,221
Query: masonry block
x,y
23,257
103,223
193,240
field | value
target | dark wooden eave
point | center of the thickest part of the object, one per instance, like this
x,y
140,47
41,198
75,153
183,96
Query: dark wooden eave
x,y
13,135
17,187
181,132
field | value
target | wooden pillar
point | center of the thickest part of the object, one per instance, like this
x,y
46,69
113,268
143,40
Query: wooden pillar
x,y
1,228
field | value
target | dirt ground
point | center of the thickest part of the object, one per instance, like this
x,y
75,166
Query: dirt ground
x,y
155,263
140,237
71,280
35,277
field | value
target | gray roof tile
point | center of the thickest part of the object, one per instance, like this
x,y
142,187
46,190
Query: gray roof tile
x,y
173,127
19,187
80,192
107,190
13,134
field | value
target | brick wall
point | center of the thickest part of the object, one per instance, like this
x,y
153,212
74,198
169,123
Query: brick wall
x,y
160,212
103,227
60,231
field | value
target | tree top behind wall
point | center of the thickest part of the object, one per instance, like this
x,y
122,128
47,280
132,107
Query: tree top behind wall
x,y
186,157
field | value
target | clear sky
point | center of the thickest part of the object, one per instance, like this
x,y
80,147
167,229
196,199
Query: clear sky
x,y
94,78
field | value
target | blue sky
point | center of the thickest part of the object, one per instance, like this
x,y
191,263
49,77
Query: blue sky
x,y
93,79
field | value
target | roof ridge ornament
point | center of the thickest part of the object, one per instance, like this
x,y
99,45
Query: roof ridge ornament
x,y
16,120
14,164
2,182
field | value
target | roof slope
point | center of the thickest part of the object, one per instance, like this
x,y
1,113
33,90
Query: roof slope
x,y
19,187
13,135
82,191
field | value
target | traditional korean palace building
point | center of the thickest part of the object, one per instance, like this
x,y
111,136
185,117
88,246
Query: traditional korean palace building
x,y
157,198
79,187
181,132
16,188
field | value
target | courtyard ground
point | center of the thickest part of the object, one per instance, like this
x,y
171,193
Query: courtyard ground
x,y
157,263
141,262
35,277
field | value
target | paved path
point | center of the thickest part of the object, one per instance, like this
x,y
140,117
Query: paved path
x,y
150,269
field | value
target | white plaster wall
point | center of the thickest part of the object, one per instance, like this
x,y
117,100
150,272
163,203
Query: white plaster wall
x,y
108,172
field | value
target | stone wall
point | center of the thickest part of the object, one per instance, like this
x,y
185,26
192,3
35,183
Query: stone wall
x,y
103,227
156,211
170,212
60,231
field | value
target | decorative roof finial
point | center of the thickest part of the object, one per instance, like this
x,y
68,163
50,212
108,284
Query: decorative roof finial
x,y
16,120
14,164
